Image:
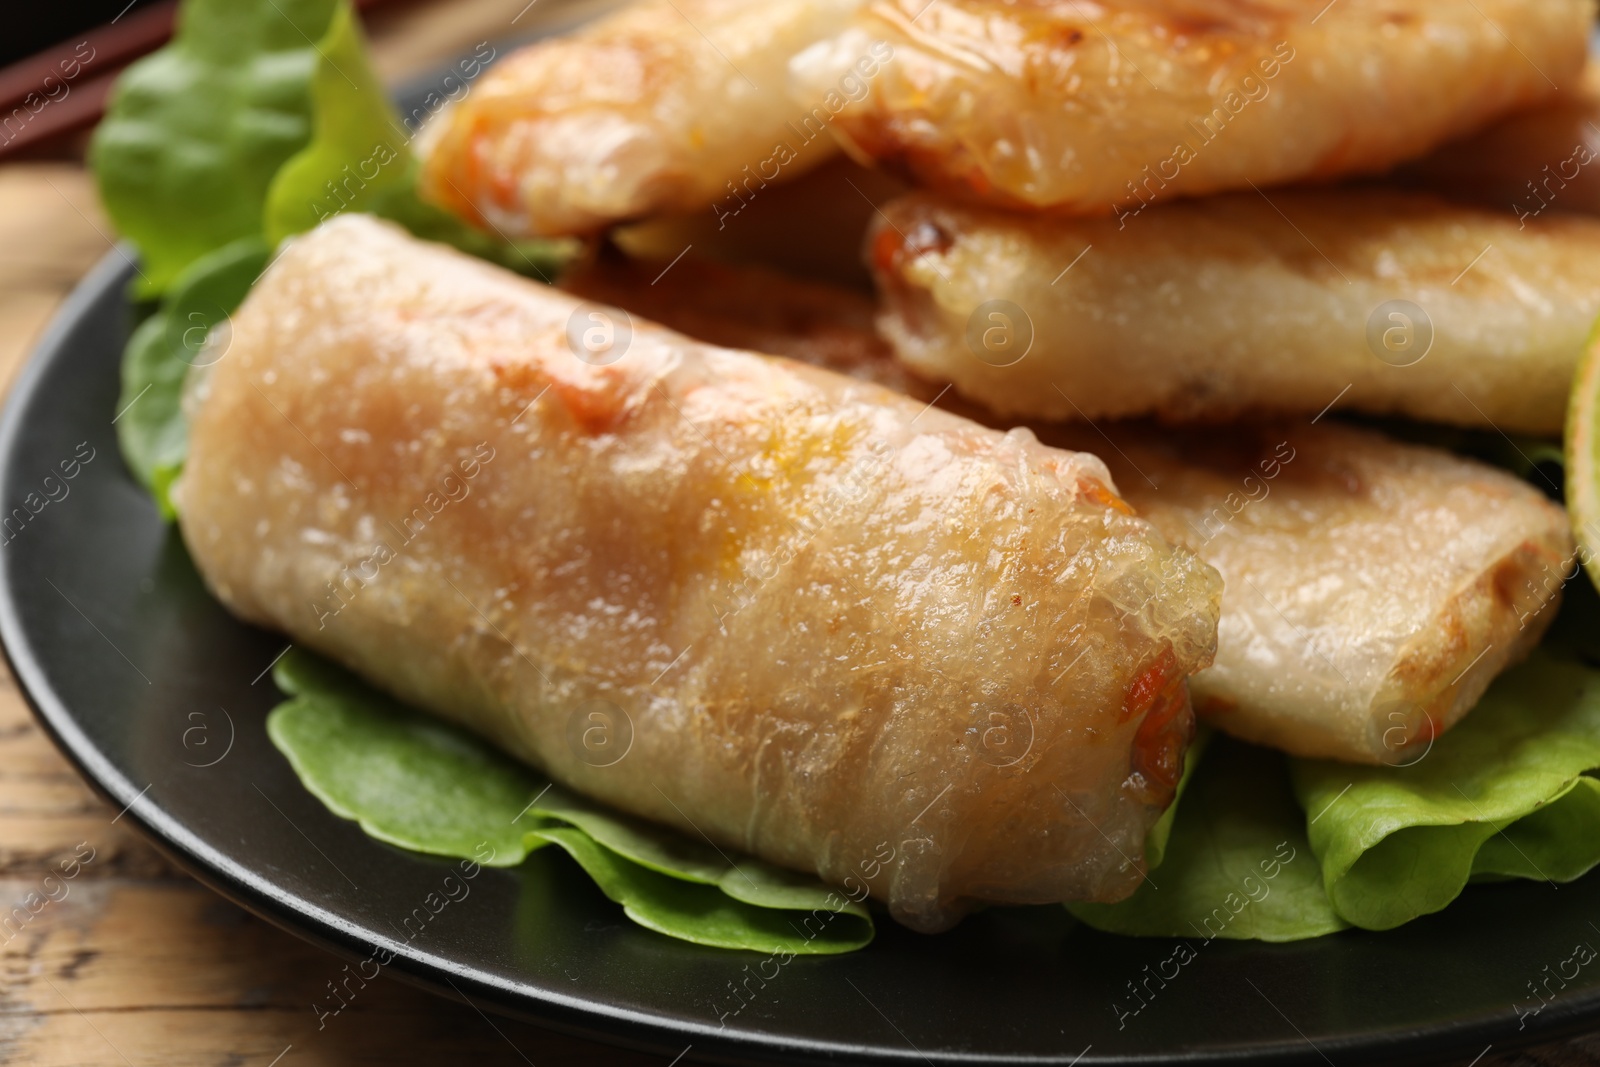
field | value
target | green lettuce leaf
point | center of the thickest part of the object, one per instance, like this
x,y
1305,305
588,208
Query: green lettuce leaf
x,y
1503,794
416,782
407,778
1237,863
194,132
150,425
359,159
700,913
358,151
749,879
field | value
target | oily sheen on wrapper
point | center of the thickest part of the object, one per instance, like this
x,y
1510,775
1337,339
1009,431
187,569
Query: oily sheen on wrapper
x,y
664,106
1100,106
1207,310
826,617
1372,588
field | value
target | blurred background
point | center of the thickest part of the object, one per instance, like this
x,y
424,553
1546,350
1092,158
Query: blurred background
x,y
139,965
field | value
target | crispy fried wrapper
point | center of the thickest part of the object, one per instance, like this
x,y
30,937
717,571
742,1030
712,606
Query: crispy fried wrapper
x,y
665,106
1101,106
1373,588
1374,301
820,621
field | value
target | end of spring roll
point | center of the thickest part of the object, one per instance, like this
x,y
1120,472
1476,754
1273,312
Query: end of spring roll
x,y
1374,588
827,618
665,106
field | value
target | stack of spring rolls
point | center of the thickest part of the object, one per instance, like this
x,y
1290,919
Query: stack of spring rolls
x,y
951,564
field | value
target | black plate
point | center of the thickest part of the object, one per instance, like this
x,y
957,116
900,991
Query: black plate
x,y
158,696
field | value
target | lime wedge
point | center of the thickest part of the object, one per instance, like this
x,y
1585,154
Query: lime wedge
x,y
1583,457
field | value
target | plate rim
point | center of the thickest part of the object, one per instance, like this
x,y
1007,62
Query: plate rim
x,y
574,1015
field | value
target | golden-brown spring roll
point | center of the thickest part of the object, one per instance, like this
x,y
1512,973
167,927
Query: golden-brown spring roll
x,y
833,618
665,106
1375,301
1372,589
1090,106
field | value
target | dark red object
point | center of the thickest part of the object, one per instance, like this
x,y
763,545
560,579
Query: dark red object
x,y
64,88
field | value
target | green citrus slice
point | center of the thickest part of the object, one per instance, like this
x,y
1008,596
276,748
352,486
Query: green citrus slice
x,y
1583,457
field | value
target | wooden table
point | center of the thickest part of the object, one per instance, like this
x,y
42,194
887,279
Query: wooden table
x,y
137,964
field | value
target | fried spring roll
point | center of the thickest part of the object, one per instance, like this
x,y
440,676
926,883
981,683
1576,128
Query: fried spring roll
x,y
1100,105
1372,589
666,106
1375,301
829,618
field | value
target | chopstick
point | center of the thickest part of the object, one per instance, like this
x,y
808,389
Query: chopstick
x,y
64,88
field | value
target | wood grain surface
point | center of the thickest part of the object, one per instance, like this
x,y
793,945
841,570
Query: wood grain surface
x,y
132,963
